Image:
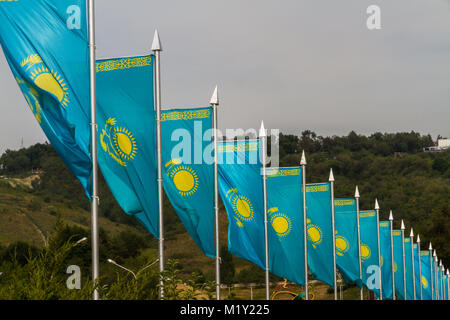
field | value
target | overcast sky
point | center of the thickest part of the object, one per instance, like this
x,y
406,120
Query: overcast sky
x,y
296,64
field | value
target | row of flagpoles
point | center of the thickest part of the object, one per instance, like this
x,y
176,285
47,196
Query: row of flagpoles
x,y
260,229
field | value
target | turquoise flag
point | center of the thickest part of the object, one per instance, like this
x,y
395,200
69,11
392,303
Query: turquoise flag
x,y
127,136
241,190
189,171
427,292
347,255
320,232
397,236
46,45
409,269
434,285
369,251
445,287
417,270
285,216
386,258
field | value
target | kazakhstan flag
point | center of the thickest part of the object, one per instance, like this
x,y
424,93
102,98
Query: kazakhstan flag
x,y
397,236
439,279
409,269
188,175
285,217
347,255
417,274
320,232
241,191
46,45
445,287
386,258
426,278
369,251
126,129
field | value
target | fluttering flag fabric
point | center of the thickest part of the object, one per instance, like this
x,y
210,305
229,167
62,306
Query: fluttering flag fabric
x,y
347,255
285,217
439,279
445,278
433,269
426,279
188,171
320,232
397,236
127,135
386,258
409,269
241,191
417,276
46,45
369,251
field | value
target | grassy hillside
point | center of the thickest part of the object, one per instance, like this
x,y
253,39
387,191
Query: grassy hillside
x,y
36,188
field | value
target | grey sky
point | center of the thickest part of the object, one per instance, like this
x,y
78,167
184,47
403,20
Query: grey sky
x,y
294,64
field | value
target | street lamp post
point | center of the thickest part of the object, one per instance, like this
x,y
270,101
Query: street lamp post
x,y
128,270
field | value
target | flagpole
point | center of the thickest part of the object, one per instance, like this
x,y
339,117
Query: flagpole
x,y
331,180
361,292
156,48
95,198
263,136
305,222
215,103
430,248
442,280
420,266
391,219
411,235
377,208
404,260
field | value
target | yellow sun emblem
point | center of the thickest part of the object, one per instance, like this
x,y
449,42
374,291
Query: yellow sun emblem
x,y
280,222
47,80
118,142
314,234
184,177
342,245
365,252
242,207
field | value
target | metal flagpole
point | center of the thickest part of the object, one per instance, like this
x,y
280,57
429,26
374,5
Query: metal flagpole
x,y
420,266
404,260
156,48
263,137
442,280
391,219
377,208
361,292
430,248
305,230
331,180
95,198
411,235
215,103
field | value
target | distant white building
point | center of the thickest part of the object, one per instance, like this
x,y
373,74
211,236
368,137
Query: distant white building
x,y
442,145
